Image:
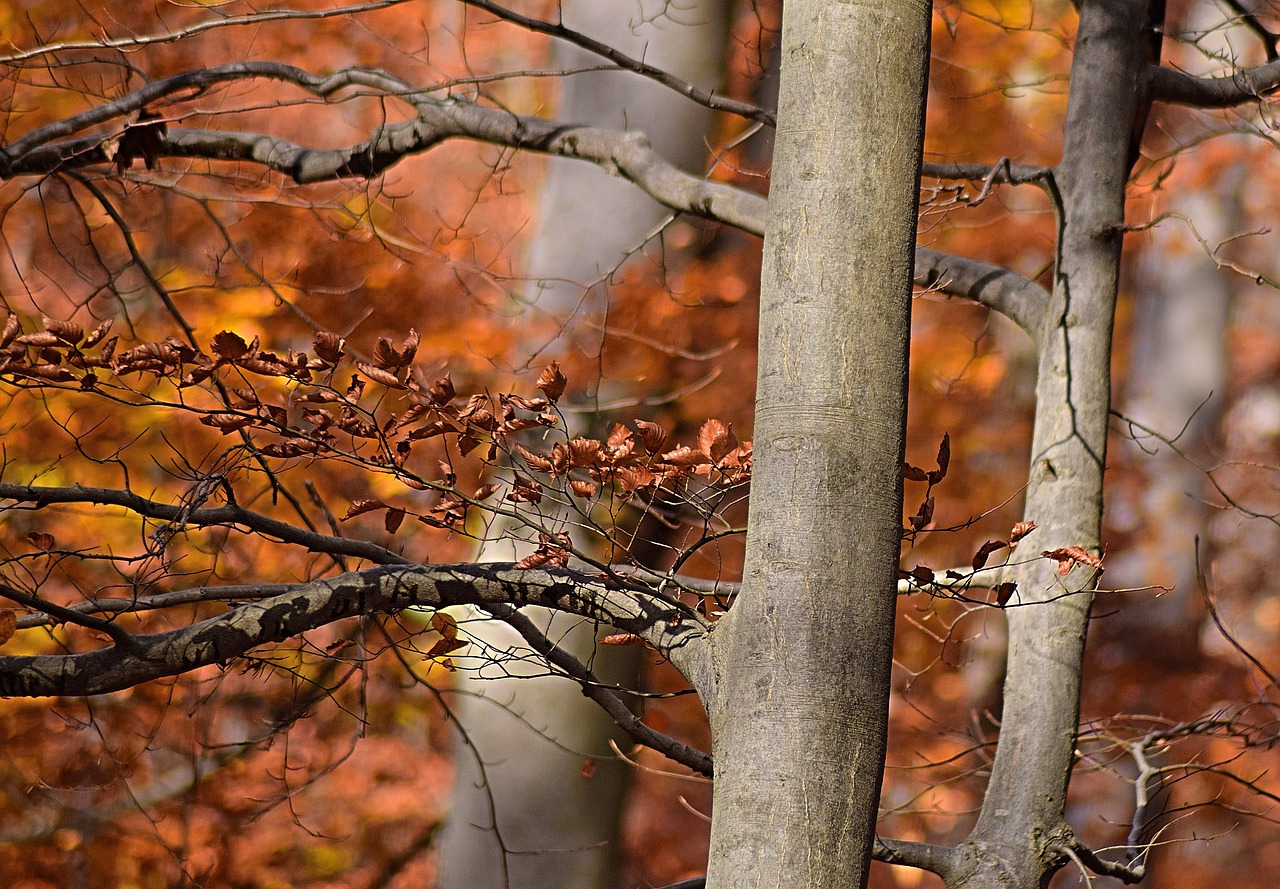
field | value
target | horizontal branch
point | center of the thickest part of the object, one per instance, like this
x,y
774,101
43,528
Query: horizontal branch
x,y
996,287
676,632
1237,88
628,155
229,516
926,856
1002,172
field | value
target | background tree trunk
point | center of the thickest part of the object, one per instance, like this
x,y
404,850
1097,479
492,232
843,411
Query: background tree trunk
x,y
534,733
802,660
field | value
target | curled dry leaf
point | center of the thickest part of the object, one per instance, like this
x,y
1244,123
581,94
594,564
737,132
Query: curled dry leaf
x,y
378,375
622,639
329,347
914,473
1005,592
944,460
41,541
583,489
652,435
11,329
984,552
1020,530
98,333
393,520
1068,557
360,507
229,346
552,382
67,331
8,624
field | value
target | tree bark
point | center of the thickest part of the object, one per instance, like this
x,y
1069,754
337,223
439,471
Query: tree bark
x,y
1021,834
802,660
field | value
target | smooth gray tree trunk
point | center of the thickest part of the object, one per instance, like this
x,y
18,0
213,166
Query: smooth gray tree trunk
x,y
802,660
1021,834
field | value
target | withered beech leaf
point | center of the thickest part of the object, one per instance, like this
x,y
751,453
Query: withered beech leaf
x,y
914,473
229,346
984,552
11,329
1020,530
584,452
485,491
1005,592
393,519
227,423
534,560
1068,557
583,489
652,434
923,516
552,382
944,456
39,338
685,456
619,437
622,639
41,541
8,624
444,646
444,624
378,375
98,333
360,507
67,331
442,391
537,462
922,573
329,346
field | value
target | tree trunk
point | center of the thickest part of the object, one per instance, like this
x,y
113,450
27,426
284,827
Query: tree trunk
x,y
533,733
1021,834
803,658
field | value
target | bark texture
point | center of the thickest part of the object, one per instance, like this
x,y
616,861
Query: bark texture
x,y
1022,836
802,660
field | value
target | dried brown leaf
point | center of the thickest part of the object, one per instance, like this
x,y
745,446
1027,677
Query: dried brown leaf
x,y
378,375
984,552
360,507
552,382
229,346
67,331
1020,530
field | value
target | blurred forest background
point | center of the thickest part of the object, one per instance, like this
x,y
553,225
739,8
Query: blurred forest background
x,y
227,779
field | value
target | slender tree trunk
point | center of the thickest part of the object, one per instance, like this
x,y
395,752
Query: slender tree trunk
x,y
533,733
1021,833
802,660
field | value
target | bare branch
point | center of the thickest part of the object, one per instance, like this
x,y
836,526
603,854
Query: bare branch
x,y
137,41
677,633
227,516
1237,88
999,288
608,700
625,62
926,856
